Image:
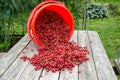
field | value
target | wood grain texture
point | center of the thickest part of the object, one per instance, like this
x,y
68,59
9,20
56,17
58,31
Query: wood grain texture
x,y
87,69
16,69
66,75
29,73
97,68
102,63
13,53
49,75
1,54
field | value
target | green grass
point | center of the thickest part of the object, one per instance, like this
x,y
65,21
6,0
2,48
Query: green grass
x,y
118,77
109,32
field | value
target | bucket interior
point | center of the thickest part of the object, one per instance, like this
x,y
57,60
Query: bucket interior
x,y
60,10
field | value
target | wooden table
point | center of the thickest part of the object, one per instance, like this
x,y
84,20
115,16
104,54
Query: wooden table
x,y
97,68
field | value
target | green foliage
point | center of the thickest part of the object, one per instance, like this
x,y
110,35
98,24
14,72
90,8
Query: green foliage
x,y
118,54
109,32
96,11
114,9
106,0
13,18
76,8
4,46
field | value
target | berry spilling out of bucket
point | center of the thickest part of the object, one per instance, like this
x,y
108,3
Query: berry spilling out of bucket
x,y
51,29
56,53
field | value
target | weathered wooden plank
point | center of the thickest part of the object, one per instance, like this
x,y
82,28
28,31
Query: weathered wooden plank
x,y
87,69
18,66
103,66
29,73
9,58
1,54
66,75
37,76
49,75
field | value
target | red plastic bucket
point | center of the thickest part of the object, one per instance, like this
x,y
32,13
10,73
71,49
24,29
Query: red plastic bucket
x,y
55,6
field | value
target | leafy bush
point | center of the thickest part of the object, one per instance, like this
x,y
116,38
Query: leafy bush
x,y
96,11
76,8
13,18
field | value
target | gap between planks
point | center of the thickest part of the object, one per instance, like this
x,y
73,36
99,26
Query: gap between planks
x,y
66,75
87,69
103,67
18,66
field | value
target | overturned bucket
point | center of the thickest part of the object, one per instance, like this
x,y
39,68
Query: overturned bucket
x,y
52,5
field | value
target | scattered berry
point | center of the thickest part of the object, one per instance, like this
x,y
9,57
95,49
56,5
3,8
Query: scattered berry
x,y
24,58
79,71
32,50
57,53
41,75
26,47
